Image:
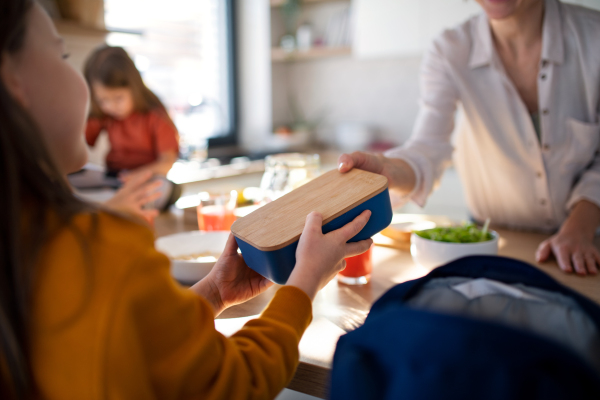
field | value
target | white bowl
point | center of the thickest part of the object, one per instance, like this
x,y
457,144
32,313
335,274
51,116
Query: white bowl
x,y
189,243
432,253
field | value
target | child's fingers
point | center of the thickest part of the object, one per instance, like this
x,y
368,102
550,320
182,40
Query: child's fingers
x,y
140,179
314,223
231,246
147,198
148,192
352,228
149,215
356,248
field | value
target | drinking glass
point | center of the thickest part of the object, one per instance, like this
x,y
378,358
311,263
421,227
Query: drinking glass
x,y
358,269
286,172
215,211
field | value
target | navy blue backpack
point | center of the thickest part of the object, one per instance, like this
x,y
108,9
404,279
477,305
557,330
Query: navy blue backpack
x,y
409,349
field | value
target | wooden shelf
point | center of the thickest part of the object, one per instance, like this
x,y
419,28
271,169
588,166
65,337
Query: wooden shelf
x,y
279,3
72,28
280,55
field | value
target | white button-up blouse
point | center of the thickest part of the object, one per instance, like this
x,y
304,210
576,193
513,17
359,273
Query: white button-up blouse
x,y
508,174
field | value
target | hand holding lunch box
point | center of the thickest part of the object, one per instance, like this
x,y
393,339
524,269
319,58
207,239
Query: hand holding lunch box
x,y
268,237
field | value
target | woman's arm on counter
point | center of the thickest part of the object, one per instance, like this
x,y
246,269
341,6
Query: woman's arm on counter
x,y
573,245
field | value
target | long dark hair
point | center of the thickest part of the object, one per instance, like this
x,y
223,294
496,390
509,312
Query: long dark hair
x,y
35,201
112,67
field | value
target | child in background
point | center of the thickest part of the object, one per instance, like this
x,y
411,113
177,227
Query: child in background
x,y
142,136
88,308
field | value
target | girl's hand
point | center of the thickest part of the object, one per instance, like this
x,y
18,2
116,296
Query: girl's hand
x,y
320,257
230,281
134,195
135,174
571,251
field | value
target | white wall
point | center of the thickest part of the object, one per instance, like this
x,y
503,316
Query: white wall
x,y
254,72
380,93
378,86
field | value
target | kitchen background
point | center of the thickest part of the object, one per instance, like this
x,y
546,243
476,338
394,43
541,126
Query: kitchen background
x,y
267,76
350,82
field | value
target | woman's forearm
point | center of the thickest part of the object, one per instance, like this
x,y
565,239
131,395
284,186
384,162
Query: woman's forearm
x,y
401,176
584,219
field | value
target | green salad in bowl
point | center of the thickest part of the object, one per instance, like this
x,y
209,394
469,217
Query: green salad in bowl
x,y
468,233
434,247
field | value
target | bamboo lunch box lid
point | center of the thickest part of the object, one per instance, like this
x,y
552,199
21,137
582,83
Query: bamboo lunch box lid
x,y
280,223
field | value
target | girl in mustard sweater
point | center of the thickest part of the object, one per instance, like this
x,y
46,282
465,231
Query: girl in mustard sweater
x,y
88,309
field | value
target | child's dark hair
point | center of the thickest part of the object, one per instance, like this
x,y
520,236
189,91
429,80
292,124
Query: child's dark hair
x,y
112,67
33,189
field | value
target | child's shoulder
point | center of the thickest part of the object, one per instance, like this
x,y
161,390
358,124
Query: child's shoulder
x,y
115,229
157,113
108,238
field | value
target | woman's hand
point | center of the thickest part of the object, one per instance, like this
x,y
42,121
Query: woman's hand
x,y
573,246
231,281
134,195
400,175
320,257
571,250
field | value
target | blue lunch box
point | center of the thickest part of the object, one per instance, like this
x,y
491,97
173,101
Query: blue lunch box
x,y
268,237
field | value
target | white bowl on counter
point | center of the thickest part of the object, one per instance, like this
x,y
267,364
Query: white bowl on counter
x,y
431,254
209,245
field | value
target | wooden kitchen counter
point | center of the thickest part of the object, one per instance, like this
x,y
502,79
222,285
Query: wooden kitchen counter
x,y
339,308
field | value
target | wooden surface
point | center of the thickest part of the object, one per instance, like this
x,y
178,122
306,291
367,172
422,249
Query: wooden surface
x,y
339,308
280,222
281,55
278,3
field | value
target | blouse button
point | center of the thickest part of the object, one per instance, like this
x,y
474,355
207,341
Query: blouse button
x,y
544,63
545,111
546,147
538,174
543,202
543,76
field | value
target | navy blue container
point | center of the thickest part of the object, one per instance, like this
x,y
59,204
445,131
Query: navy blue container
x,y
268,237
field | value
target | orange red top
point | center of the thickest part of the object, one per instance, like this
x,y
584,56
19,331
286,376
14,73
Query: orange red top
x,y
136,140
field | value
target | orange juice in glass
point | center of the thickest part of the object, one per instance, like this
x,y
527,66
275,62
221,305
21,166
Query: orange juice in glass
x,y
215,211
358,269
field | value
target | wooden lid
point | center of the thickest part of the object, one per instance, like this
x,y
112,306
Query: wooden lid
x,y
280,223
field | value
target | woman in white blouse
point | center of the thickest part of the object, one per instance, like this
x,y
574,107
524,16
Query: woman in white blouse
x,y
526,74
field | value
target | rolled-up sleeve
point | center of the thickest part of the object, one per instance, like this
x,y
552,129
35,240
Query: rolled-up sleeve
x,y
429,150
588,185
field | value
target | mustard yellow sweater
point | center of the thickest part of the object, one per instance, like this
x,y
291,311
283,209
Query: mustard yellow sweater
x,y
112,324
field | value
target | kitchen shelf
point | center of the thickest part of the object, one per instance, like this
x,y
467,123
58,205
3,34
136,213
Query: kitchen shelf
x,y
72,28
279,3
280,55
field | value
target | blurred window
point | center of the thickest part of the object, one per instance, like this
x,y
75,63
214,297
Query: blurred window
x,y
184,50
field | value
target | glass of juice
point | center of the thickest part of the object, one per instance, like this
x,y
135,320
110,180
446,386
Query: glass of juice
x,y
358,269
215,211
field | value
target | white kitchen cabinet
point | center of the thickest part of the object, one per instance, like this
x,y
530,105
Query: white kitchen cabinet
x,y
385,28
393,28
595,4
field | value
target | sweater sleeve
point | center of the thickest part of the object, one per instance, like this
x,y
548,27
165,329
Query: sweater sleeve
x,y
92,130
162,342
